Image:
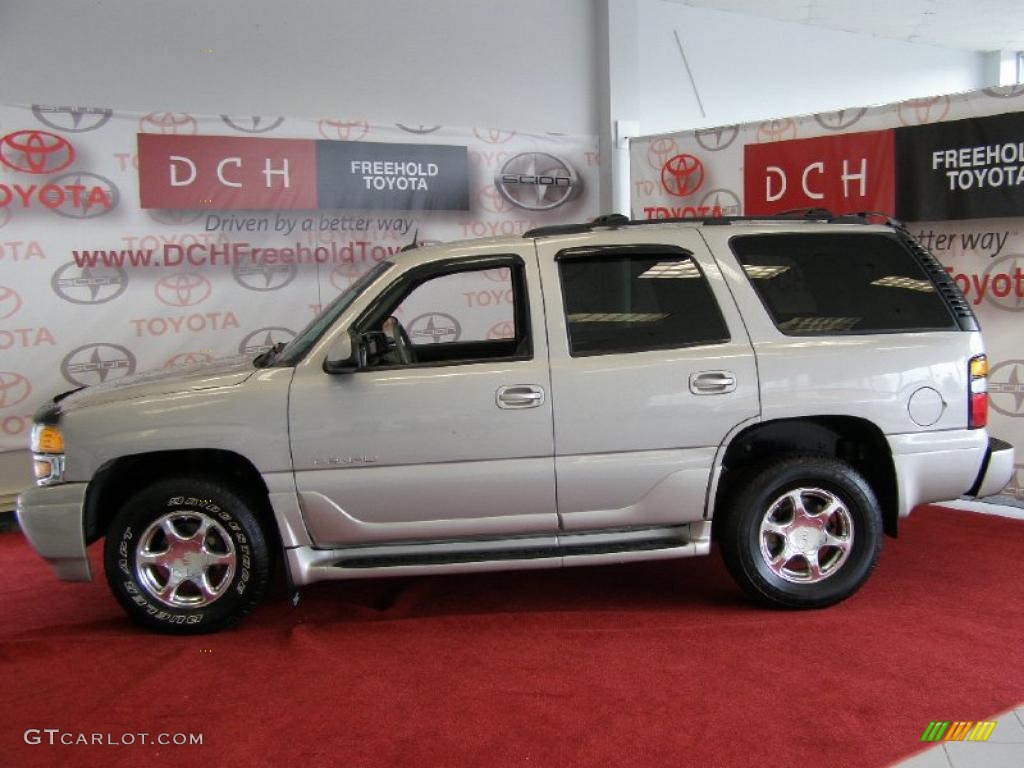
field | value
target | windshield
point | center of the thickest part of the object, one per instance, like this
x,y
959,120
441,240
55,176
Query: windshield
x,y
297,348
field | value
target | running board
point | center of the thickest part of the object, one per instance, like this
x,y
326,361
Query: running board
x,y
308,565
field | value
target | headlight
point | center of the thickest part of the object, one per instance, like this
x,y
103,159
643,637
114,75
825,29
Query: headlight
x,y
47,445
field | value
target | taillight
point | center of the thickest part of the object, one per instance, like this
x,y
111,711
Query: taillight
x,y
977,392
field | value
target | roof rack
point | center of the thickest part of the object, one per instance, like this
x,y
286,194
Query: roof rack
x,y
617,220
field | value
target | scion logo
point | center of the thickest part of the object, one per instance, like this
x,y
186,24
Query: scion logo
x,y
188,358
682,175
921,111
506,329
1003,278
776,130
71,119
82,195
352,130
14,389
717,139
537,181
1005,91
493,135
493,201
660,150
1006,388
420,129
36,152
257,275
174,217
839,119
168,123
263,339
88,285
10,302
722,202
184,289
253,124
97,364
434,327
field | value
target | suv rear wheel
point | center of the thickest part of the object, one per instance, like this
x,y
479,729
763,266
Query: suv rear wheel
x,y
187,555
801,532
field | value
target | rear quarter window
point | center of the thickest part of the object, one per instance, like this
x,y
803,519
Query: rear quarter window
x,y
845,283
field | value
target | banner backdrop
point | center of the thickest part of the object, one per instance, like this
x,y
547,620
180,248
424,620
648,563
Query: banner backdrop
x,y
241,229
951,166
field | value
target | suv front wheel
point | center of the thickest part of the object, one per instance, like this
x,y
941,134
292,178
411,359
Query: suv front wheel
x,y
187,555
801,532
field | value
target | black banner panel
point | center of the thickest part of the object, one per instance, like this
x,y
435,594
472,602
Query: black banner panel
x,y
964,169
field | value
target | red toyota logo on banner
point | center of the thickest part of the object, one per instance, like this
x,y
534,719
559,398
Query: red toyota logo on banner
x,y
682,175
36,152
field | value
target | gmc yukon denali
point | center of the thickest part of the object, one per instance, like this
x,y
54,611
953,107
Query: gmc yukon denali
x,y
789,387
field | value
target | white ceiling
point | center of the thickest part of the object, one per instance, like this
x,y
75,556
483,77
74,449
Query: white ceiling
x,y
975,25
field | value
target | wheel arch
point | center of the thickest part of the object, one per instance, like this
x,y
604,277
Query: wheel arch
x,y
854,440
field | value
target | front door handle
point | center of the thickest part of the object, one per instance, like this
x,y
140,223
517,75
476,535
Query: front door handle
x,y
517,396
712,382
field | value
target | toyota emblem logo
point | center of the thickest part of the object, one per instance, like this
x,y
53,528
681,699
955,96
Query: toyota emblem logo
x,y
682,175
100,198
1006,388
253,124
717,139
168,123
498,274
36,152
840,119
493,201
184,289
506,329
72,119
14,389
660,150
434,327
493,135
776,130
88,285
185,359
257,275
419,129
10,302
97,364
351,130
922,111
262,339
537,181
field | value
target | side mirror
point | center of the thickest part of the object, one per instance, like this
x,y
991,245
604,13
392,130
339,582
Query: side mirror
x,y
341,357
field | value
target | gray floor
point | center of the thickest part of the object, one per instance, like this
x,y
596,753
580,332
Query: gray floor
x,y
1004,748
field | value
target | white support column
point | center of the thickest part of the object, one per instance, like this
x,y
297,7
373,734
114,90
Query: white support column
x,y
1001,68
618,62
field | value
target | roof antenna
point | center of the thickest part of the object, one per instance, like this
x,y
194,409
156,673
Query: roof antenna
x,y
414,244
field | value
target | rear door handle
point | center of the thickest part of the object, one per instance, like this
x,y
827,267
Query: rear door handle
x,y
518,396
712,382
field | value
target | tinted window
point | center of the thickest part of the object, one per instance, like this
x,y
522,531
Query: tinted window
x,y
629,302
815,284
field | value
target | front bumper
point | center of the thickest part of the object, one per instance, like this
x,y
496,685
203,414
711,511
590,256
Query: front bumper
x,y
51,519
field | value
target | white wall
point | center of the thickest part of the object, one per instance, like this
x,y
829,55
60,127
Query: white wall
x,y
523,64
749,68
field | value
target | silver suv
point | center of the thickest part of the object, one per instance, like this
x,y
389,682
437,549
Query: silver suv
x,y
788,387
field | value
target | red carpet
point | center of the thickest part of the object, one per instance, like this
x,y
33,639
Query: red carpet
x,y
655,665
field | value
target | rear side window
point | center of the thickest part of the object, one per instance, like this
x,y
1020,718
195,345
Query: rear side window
x,y
822,284
636,300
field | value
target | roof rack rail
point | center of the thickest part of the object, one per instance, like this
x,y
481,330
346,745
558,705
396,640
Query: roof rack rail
x,y
616,220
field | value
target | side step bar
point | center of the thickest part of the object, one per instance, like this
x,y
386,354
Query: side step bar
x,y
308,565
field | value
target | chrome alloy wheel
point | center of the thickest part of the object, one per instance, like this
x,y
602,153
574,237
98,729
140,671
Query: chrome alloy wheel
x,y
806,535
185,559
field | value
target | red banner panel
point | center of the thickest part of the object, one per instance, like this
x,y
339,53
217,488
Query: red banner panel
x,y
844,173
226,173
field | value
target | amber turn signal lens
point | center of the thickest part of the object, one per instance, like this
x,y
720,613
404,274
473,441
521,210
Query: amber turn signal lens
x,y
48,440
979,367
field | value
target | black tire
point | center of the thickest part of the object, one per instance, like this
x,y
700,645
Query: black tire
x,y
756,556
230,561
